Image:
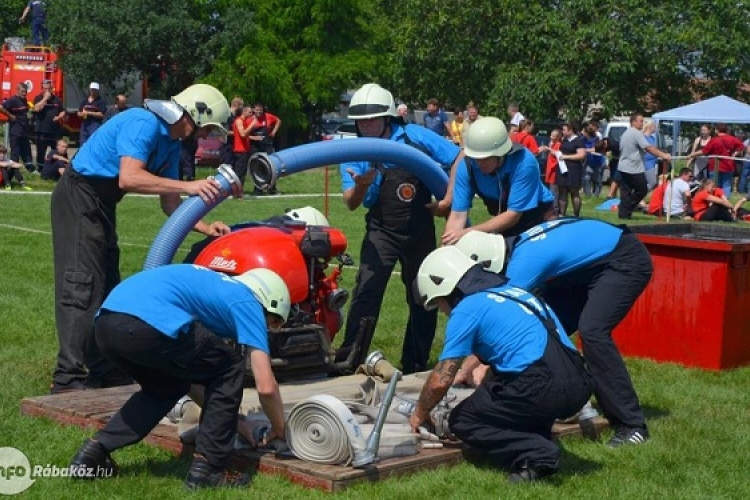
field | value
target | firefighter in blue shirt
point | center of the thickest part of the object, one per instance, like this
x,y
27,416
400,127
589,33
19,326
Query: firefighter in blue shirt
x,y
166,328
590,273
507,178
537,374
400,225
138,151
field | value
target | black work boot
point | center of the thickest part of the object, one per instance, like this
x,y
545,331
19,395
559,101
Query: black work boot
x,y
204,475
528,473
92,462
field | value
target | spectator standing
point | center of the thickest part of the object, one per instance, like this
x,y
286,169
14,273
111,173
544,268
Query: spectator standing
x,y
91,111
472,115
723,144
515,120
120,105
650,160
235,109
38,11
594,164
570,170
400,226
138,151
403,111
505,175
700,163
241,143
49,114
16,109
457,126
743,187
611,146
436,120
525,136
550,172
56,161
263,128
633,146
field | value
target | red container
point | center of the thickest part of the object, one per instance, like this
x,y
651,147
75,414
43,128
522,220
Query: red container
x,y
696,309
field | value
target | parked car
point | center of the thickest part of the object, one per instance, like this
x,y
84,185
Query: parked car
x,y
346,130
210,152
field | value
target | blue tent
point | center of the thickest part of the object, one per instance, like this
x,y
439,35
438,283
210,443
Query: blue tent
x,y
719,109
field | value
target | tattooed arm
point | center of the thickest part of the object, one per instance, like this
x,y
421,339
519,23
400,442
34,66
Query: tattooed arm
x,y
434,390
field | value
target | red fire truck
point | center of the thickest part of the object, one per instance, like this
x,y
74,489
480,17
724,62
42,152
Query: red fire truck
x,y
34,64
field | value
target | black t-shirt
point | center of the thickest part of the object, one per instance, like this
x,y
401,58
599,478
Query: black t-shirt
x,y
44,123
570,148
20,109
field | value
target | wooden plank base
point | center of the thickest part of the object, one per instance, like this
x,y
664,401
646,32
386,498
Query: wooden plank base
x,y
92,409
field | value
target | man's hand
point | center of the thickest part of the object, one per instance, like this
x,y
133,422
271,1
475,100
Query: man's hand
x,y
363,180
452,237
439,208
208,189
217,229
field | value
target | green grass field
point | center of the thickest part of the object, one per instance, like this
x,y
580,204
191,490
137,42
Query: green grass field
x,y
698,420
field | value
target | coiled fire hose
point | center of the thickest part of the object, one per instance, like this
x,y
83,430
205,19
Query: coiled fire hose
x,y
321,429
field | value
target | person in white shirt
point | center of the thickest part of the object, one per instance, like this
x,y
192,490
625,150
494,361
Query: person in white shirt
x,y
515,119
677,195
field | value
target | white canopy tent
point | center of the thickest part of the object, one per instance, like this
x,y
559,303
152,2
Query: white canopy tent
x,y
719,109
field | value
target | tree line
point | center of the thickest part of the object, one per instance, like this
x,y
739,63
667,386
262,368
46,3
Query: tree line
x,y
551,57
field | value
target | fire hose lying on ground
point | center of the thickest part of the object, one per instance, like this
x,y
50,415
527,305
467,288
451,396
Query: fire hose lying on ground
x,y
356,432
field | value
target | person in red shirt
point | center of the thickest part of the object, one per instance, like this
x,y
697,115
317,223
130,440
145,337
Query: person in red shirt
x,y
550,171
655,204
723,144
525,137
263,129
240,142
711,204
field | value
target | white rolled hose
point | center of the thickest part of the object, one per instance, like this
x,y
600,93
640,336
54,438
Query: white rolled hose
x,y
321,429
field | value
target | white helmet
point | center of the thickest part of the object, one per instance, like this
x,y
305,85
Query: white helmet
x,y
485,248
269,289
309,215
439,274
206,106
371,101
487,137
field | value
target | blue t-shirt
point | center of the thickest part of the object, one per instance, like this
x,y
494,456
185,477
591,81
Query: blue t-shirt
x,y
649,160
442,151
139,134
436,122
592,160
556,247
501,332
170,298
521,170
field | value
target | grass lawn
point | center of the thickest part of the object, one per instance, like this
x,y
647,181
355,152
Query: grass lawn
x,y
698,420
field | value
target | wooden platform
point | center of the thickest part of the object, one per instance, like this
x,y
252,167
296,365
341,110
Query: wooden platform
x,y
92,409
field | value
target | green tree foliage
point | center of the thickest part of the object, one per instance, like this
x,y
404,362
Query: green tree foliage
x,y
298,56
171,40
559,55
9,25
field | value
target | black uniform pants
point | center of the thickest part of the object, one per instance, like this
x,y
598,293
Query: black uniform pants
x,y
165,368
633,188
240,166
87,260
381,249
43,142
510,418
594,301
20,151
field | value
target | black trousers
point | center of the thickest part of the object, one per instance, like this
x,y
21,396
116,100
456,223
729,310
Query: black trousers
x,y
20,151
240,166
510,419
633,188
43,142
717,212
87,262
593,301
381,249
165,368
